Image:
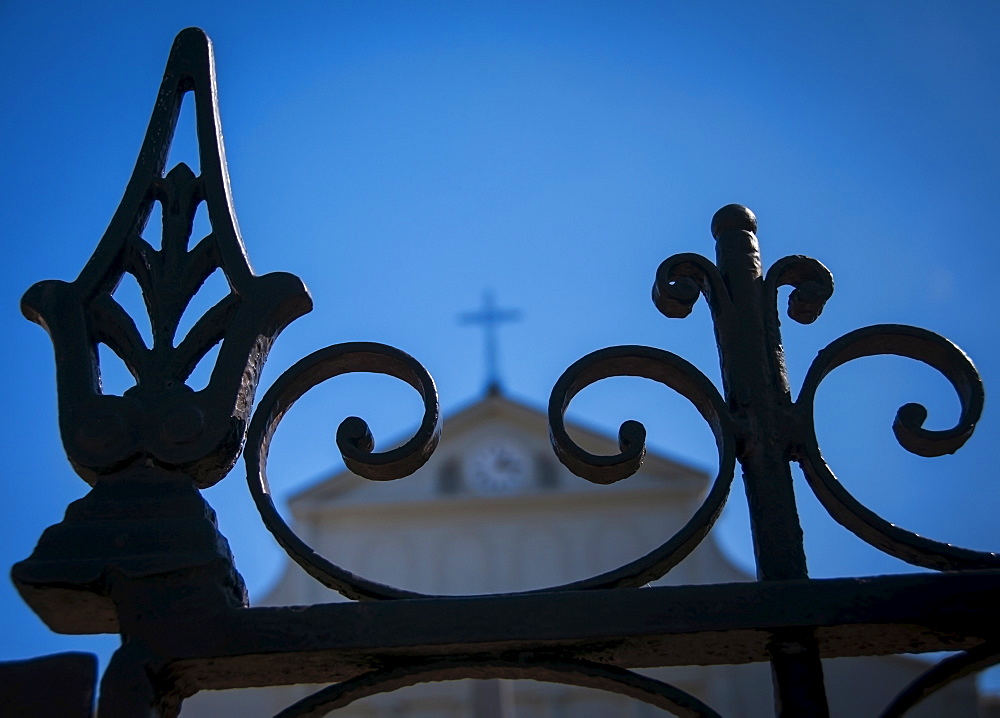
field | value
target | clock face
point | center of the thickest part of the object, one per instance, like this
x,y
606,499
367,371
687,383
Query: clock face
x,y
498,467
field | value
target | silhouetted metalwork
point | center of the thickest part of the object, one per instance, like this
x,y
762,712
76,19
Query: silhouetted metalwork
x,y
141,554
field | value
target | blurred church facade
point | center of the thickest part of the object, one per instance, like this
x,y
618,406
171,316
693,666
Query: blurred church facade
x,y
494,511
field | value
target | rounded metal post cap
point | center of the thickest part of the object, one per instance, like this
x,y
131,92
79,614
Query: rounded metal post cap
x,y
733,217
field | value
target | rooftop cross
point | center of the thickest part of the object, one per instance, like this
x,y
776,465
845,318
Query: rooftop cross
x,y
490,316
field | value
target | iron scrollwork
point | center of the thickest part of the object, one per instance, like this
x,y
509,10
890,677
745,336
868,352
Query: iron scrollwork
x,y
683,377
939,353
141,554
769,428
355,441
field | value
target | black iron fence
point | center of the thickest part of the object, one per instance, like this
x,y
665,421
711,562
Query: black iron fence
x,y
141,555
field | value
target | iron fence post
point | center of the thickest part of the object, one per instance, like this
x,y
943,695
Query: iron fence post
x,y
756,389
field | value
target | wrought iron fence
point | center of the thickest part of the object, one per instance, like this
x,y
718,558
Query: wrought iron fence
x,y
141,555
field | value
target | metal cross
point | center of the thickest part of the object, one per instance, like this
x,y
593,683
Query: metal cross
x,y
490,316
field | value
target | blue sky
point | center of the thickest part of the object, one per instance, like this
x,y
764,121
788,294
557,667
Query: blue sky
x,y
403,157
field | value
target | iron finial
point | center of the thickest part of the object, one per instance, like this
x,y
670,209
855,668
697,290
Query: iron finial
x,y
733,217
162,419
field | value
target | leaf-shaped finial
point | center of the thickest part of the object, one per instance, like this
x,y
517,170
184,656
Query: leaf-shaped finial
x,y
161,420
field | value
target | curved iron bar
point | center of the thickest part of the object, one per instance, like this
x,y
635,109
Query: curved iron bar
x,y
936,352
812,282
354,439
947,671
679,280
812,287
583,674
686,379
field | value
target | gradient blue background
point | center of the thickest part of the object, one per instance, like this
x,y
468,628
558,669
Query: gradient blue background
x,y
403,157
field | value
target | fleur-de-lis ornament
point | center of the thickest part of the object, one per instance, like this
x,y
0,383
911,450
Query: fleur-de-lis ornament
x,y
148,452
161,420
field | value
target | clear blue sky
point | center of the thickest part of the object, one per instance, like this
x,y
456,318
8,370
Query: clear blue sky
x,y
403,157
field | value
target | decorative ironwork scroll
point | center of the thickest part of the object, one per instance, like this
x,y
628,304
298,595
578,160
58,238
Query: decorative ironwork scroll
x,y
141,554
355,442
938,353
771,429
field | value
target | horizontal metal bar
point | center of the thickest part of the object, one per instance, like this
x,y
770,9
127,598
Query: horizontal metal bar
x,y
645,627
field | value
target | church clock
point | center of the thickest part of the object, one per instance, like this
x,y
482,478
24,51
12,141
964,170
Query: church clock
x,y
498,466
